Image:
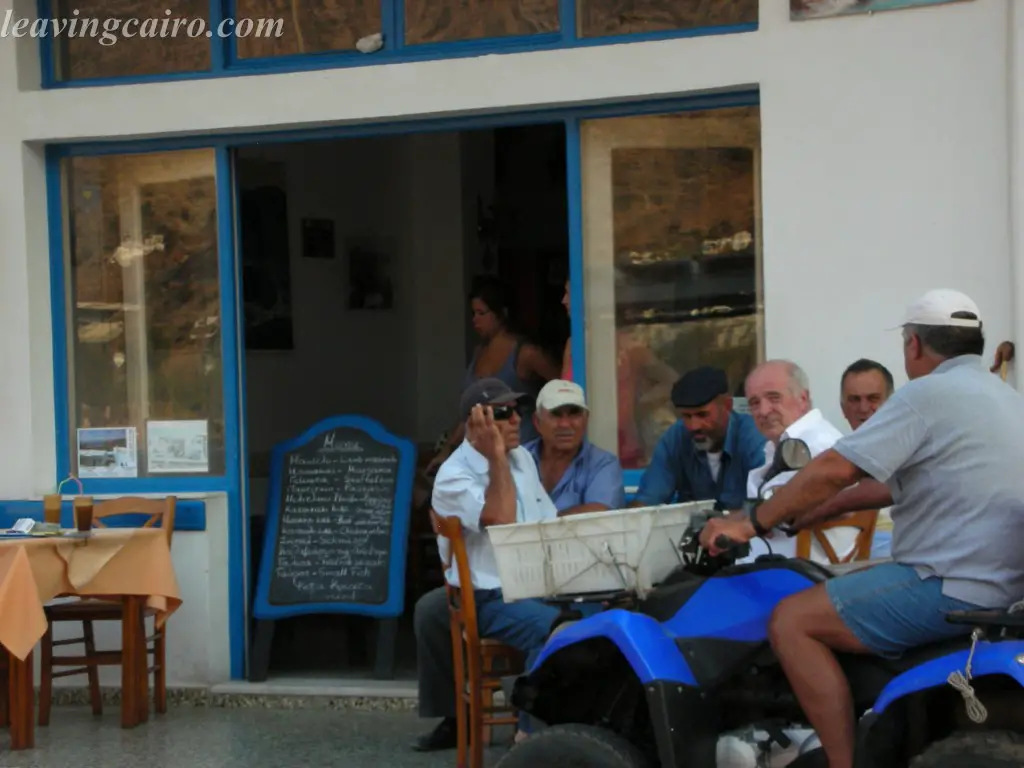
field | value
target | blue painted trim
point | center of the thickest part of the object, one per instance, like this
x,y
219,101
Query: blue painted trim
x,y
219,47
503,119
234,385
189,515
567,21
574,191
225,61
60,328
631,477
47,62
392,19
401,512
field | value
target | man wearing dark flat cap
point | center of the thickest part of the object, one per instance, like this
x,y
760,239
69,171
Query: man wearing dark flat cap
x,y
709,452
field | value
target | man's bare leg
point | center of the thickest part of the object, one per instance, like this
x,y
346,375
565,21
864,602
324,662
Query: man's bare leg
x,y
804,630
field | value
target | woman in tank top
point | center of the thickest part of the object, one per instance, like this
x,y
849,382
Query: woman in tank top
x,y
501,354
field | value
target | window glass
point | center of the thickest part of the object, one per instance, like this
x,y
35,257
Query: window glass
x,y
144,315
307,26
130,38
672,264
598,18
437,21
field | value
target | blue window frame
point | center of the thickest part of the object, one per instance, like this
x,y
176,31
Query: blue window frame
x,y
231,483
225,62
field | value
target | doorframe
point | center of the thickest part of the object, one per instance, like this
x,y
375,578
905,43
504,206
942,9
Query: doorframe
x,y
234,483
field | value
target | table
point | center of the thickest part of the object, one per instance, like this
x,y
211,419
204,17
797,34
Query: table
x,y
133,564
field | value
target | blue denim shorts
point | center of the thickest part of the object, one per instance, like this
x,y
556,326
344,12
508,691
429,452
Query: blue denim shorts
x,y
891,609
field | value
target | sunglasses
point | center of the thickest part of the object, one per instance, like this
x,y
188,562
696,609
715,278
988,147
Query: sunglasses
x,y
504,412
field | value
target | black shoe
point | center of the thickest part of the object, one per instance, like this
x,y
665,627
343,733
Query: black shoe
x,y
444,736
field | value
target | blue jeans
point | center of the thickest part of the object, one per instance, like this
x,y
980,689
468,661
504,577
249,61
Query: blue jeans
x,y
524,624
891,609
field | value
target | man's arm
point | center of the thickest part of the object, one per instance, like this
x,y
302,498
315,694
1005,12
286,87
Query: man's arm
x,y
867,494
886,442
500,498
604,488
877,450
658,482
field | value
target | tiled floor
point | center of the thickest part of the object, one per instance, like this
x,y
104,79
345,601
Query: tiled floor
x,y
199,737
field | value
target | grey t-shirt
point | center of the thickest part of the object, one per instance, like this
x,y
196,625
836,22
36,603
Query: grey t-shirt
x,y
950,446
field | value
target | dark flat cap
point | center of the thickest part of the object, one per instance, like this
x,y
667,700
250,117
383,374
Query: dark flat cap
x,y
699,387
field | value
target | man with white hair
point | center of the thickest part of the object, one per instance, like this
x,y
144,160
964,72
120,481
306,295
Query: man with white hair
x,y
779,399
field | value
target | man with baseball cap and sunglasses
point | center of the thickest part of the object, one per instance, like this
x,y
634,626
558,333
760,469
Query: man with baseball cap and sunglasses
x,y
491,480
577,475
945,449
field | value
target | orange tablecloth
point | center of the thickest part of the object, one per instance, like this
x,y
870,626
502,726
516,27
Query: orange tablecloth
x,y
110,561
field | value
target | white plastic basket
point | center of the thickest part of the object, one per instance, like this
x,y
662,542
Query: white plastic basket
x,y
631,549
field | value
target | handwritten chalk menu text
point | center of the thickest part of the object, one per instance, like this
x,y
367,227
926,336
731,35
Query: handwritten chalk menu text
x,y
334,537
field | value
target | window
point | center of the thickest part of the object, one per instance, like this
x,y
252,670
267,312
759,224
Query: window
x,y
144,292
599,18
308,26
437,21
89,53
672,263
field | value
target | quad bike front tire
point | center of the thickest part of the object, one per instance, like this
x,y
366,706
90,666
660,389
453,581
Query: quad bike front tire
x,y
574,746
974,749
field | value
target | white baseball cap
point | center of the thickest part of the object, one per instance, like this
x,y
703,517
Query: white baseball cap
x,y
937,307
559,393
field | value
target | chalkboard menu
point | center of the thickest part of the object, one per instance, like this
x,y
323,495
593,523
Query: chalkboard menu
x,y
338,520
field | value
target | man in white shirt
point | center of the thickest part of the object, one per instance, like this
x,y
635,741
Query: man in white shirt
x,y
491,480
779,399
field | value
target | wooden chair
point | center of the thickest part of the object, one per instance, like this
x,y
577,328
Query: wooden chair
x,y
91,609
865,521
480,663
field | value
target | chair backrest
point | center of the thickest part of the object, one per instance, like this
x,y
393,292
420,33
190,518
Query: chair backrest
x,y
461,602
159,511
864,521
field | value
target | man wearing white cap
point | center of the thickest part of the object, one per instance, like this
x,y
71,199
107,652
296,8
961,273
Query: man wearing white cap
x,y
947,446
579,476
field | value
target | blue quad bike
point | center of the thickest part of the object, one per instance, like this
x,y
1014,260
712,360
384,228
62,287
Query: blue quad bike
x,y
659,681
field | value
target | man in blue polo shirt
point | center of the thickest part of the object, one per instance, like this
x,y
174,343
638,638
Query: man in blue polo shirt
x,y
578,476
708,453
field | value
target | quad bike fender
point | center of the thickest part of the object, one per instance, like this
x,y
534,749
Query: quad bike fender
x,y
1000,658
649,650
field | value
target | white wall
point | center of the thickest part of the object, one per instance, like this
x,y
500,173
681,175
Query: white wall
x,y
885,168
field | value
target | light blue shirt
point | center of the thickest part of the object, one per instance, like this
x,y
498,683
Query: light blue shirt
x,y
949,446
460,490
593,477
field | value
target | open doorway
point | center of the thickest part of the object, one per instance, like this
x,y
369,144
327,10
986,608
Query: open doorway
x,y
357,257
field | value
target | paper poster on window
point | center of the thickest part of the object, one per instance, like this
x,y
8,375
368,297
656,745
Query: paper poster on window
x,y
177,446
107,452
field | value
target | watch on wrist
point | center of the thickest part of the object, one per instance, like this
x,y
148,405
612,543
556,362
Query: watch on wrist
x,y
751,509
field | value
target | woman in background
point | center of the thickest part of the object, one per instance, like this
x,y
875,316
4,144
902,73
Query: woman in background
x,y
501,354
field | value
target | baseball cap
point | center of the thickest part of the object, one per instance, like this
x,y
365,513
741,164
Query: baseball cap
x,y
699,387
559,393
939,306
487,392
